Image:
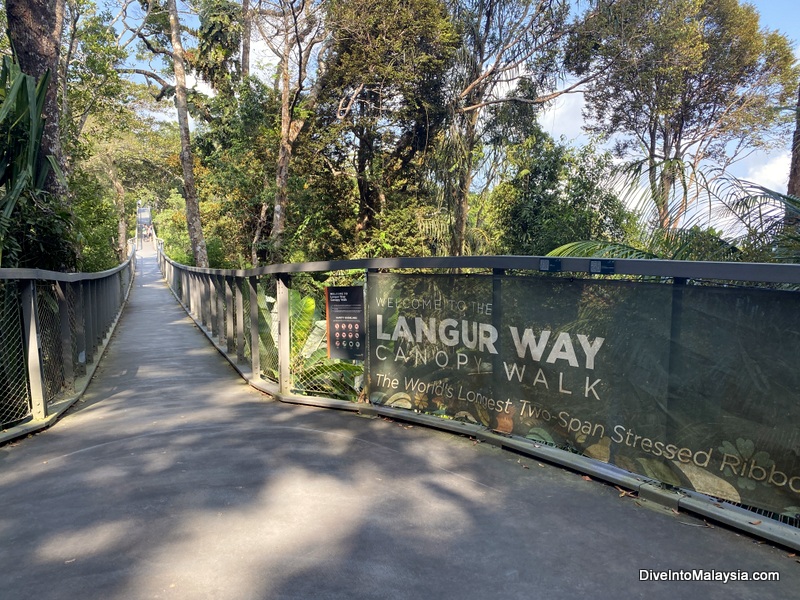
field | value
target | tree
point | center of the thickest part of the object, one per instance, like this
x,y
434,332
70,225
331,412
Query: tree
x,y
238,148
683,83
510,53
34,29
794,170
187,156
556,194
161,26
132,155
90,82
294,31
384,94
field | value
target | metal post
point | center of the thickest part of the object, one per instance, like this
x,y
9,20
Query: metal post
x,y
255,359
284,335
30,317
94,308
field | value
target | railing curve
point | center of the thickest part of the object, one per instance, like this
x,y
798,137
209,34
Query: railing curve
x,y
53,329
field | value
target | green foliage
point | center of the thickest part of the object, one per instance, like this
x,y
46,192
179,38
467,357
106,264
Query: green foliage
x,y
752,224
93,86
311,371
219,38
684,82
237,148
96,219
34,228
170,226
384,98
555,195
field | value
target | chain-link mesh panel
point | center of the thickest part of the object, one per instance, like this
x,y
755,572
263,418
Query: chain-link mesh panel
x,y
14,394
227,313
312,372
79,368
50,340
233,316
245,287
268,328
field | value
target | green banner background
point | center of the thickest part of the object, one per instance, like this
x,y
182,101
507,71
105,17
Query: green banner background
x,y
693,386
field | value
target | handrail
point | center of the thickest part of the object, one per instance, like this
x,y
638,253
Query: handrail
x,y
731,271
42,274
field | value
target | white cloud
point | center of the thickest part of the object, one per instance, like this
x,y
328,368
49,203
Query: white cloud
x,y
564,117
772,172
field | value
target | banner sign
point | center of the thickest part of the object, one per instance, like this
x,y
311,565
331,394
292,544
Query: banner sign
x,y
345,322
693,386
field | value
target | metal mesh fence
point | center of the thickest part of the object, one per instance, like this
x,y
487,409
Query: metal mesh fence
x,y
245,290
268,328
312,372
75,328
50,340
233,326
14,395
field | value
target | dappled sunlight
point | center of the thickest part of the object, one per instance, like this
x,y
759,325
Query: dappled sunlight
x,y
301,522
92,540
297,522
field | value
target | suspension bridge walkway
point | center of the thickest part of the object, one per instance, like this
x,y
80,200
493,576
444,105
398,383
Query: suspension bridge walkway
x,y
172,478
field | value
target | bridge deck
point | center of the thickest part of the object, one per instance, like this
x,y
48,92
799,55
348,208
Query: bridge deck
x,y
174,479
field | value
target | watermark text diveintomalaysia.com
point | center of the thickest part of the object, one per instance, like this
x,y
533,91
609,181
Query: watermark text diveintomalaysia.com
x,y
708,575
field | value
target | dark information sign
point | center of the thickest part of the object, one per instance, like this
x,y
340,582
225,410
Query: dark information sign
x,y
345,322
693,386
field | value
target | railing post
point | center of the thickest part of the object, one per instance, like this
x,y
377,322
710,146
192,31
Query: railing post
x,y
30,319
284,335
255,337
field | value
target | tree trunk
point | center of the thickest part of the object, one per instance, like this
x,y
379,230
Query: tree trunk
x,y
281,175
368,201
187,159
794,170
463,185
247,31
290,130
34,28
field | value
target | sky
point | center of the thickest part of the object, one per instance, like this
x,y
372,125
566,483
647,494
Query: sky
x,y
769,170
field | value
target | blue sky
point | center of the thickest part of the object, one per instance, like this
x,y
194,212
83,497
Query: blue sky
x,y
770,170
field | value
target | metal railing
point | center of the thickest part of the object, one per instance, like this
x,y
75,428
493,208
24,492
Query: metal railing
x,y
53,329
286,301
290,298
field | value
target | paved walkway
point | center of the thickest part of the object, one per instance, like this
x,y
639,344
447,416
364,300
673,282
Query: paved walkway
x,y
174,479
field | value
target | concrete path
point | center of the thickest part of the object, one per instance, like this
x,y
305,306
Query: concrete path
x,y
174,479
